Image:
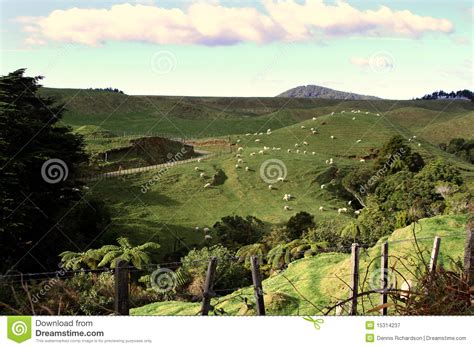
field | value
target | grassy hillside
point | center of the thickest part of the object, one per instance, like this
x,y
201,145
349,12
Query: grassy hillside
x,y
175,202
315,277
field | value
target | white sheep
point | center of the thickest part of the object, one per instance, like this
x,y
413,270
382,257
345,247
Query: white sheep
x,y
303,127
362,160
366,112
313,153
253,154
289,150
196,228
278,148
257,140
342,210
240,149
353,118
261,133
332,113
266,148
414,137
305,143
287,197
247,169
248,134
323,186
314,132
237,166
206,230
261,152
358,141
238,140
202,175
314,118
196,169
238,155
286,207
199,160
207,185
419,144
296,145
333,137
269,130
327,161
270,187
357,212
321,208
378,114
280,179
240,160
331,161
207,236
349,203
304,152
297,151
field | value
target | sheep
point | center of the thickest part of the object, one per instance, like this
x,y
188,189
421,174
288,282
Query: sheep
x,y
253,154
206,230
305,143
199,160
303,127
261,133
297,151
332,113
207,236
237,166
270,187
362,160
378,114
414,137
196,228
207,185
286,207
331,161
255,133
314,118
289,150
274,148
314,132
266,148
278,148
247,169
202,175
287,197
327,161
313,153
296,145
257,140
321,208
358,141
238,155
304,152
261,152
357,212
248,134
323,186
196,169
349,203
240,149
342,210
280,179
366,112
419,144
269,130
238,140
353,118
240,160
333,137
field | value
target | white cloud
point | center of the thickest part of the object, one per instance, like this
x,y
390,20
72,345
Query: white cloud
x,y
211,23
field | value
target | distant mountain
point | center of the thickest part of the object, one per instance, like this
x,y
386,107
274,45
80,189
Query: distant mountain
x,y
313,91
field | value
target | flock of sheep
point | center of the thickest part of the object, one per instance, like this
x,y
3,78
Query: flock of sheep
x,y
298,148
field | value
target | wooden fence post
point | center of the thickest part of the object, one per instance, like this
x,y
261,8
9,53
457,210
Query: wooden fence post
x,y
354,277
121,287
257,285
208,285
469,252
434,254
384,277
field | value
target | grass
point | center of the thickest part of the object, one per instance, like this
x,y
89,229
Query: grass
x,y
315,277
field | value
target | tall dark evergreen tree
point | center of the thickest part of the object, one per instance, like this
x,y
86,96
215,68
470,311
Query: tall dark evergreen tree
x,y
34,208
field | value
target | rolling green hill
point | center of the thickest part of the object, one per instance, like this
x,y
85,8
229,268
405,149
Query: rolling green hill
x,y
316,278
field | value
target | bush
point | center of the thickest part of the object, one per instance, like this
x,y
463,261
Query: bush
x,y
234,231
298,224
229,273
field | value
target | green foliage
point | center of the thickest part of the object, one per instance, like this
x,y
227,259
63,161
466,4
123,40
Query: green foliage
x,y
138,256
235,231
247,251
298,224
30,207
229,273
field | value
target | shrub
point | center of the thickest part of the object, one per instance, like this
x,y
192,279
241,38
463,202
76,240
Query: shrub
x,y
235,231
298,224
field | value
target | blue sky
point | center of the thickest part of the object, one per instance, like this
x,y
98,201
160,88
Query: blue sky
x,y
393,49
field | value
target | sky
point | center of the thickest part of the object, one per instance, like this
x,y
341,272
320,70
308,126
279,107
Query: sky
x,y
390,49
